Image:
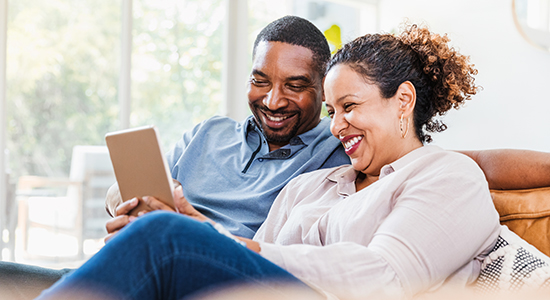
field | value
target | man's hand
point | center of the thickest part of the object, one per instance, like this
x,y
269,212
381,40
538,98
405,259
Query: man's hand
x,y
182,205
122,217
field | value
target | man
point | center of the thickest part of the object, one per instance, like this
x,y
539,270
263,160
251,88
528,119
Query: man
x,y
231,172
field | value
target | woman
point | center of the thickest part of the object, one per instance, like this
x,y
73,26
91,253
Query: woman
x,y
402,219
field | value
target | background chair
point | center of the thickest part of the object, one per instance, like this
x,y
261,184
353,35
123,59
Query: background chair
x,y
68,211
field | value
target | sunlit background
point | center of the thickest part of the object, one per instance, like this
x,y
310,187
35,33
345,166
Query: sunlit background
x,y
77,69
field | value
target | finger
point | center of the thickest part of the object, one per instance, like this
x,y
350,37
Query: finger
x,y
125,207
156,204
176,183
118,223
184,207
181,203
178,193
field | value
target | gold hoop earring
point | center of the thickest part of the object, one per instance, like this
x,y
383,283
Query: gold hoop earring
x,y
403,131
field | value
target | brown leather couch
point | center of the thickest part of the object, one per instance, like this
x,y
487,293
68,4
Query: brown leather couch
x,y
527,213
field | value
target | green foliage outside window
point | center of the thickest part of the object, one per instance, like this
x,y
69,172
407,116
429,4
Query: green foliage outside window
x,y
176,64
63,73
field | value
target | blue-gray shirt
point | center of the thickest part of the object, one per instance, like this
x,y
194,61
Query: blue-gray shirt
x,y
229,175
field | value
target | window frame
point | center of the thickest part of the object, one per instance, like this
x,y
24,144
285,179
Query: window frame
x,y
3,116
235,58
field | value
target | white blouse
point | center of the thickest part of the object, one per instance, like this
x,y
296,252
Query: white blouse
x,y
428,220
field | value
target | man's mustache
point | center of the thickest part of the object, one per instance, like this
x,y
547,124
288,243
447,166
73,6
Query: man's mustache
x,y
276,112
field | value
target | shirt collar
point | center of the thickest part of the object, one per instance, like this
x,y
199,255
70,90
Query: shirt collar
x,y
345,176
309,136
407,159
250,124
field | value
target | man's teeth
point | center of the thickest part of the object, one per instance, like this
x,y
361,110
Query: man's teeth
x,y
276,119
352,142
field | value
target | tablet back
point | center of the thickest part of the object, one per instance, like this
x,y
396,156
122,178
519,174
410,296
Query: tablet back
x,y
139,164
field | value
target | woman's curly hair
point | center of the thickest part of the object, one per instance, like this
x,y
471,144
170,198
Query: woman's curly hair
x,y
442,77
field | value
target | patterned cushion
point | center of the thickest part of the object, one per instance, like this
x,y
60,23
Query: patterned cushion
x,y
513,265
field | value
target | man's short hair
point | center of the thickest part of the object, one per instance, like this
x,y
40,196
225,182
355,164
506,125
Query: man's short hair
x,y
297,31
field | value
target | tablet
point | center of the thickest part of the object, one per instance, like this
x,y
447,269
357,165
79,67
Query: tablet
x,y
139,164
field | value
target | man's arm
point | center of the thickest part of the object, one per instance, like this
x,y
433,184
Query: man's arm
x,y
112,200
509,169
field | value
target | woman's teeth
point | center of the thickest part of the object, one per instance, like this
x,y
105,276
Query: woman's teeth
x,y
352,142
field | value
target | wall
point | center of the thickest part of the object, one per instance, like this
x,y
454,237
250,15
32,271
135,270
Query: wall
x,y
513,109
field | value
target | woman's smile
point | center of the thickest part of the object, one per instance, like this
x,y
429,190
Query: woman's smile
x,y
351,143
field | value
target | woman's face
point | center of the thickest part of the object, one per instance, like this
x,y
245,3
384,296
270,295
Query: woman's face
x,y
365,123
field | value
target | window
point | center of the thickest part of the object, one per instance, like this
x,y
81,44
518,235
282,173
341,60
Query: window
x,y
63,73
63,62
176,64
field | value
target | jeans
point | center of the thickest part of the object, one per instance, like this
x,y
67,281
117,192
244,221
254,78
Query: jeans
x,y
167,256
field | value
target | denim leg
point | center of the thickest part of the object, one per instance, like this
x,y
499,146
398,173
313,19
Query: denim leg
x,y
168,256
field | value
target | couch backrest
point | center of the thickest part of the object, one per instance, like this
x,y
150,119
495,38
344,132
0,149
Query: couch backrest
x,y
527,213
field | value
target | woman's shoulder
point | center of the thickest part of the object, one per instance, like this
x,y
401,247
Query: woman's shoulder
x,y
434,160
461,160
448,165
438,156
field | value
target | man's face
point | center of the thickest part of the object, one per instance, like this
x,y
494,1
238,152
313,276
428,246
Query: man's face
x,y
284,91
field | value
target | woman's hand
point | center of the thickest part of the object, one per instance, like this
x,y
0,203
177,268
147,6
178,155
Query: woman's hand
x,y
250,244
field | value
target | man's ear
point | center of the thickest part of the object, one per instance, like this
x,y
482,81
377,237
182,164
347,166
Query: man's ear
x,y
406,95
323,88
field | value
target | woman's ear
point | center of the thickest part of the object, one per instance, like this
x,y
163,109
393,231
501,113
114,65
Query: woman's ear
x,y
406,95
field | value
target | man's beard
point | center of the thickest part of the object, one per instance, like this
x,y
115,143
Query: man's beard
x,y
272,136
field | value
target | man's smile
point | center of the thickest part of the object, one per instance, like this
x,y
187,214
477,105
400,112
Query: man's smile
x,y
278,121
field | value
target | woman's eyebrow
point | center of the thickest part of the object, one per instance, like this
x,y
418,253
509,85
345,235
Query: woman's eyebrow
x,y
340,99
345,96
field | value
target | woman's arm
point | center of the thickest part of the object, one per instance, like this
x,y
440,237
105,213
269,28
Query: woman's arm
x,y
509,169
